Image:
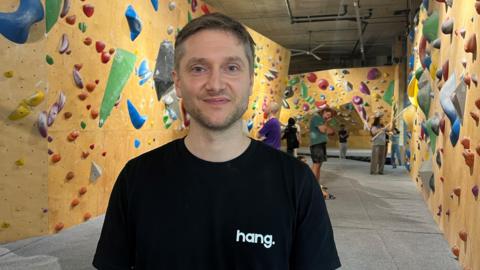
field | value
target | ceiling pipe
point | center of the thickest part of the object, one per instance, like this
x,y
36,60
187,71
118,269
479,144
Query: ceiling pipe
x,y
313,18
356,5
331,19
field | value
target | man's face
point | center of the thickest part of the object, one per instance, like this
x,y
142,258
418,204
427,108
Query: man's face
x,y
213,79
327,115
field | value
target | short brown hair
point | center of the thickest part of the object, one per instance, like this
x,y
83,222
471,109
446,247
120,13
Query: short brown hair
x,y
328,109
215,21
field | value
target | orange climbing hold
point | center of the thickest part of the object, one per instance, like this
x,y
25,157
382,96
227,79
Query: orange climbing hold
x,y
56,158
70,175
466,143
67,115
475,117
71,19
74,202
87,216
94,113
457,191
59,227
91,86
85,154
82,96
456,251
469,157
478,150
82,191
463,235
73,136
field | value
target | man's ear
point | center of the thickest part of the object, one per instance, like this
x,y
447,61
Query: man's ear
x,y
176,82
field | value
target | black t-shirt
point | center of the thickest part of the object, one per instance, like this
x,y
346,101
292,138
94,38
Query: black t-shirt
x,y
290,134
171,210
342,136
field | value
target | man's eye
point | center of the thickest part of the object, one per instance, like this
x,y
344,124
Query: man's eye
x,y
197,69
233,68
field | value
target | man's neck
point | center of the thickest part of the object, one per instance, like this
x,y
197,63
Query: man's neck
x,y
216,146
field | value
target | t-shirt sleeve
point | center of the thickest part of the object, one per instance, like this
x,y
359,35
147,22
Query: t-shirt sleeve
x,y
265,129
115,249
313,246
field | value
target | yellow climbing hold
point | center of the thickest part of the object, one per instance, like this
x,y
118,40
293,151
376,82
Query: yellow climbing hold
x,y
20,162
35,99
5,225
8,74
20,112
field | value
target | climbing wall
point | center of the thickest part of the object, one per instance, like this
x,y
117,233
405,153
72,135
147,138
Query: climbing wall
x,y
356,94
442,119
86,88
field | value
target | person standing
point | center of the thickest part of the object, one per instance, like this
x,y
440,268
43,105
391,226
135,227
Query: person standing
x,y
378,133
271,131
342,140
215,199
319,131
292,135
395,149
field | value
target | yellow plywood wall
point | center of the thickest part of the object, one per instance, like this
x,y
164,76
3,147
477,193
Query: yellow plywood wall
x,y
39,196
336,88
453,202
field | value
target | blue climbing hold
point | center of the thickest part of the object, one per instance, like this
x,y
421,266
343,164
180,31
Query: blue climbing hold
x,y
135,117
134,22
15,26
136,143
155,4
455,132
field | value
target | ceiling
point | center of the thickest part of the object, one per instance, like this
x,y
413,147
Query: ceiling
x,y
332,26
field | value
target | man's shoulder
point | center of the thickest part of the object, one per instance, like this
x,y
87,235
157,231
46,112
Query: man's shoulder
x,y
162,151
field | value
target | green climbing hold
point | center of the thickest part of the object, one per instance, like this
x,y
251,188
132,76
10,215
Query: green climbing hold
x,y
418,73
430,27
49,59
82,26
388,95
189,16
366,104
294,81
52,10
304,90
83,125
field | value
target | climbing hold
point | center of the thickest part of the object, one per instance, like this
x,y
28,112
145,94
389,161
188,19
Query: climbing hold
x,y
455,132
477,7
95,172
477,103
70,175
164,67
323,84
171,5
463,235
471,45
312,77
59,227
170,29
456,251
442,125
135,117
87,216
94,113
8,74
476,117
437,43
430,27
445,70
42,123
478,150
82,191
88,10
445,101
82,27
67,115
193,5
373,74
20,112
71,19
154,4
134,22
99,46
357,100
20,162
458,99
56,158
83,125
73,136
64,44
66,8
475,191
469,157
74,202
465,142
438,159
122,66
92,146
364,88
347,86
85,154
77,78
205,9
15,26
447,26
457,191
105,57
144,72
87,41
423,95
90,86
136,143
82,96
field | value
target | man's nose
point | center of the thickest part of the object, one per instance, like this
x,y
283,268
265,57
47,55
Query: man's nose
x,y
215,81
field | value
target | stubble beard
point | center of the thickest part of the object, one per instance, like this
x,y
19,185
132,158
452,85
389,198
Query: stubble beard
x,y
204,121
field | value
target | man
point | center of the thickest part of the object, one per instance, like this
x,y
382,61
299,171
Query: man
x,y
215,199
271,132
342,140
319,131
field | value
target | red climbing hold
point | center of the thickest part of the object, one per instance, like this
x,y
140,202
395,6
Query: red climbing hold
x,y
104,153
475,117
67,115
457,191
82,96
94,113
73,136
88,10
456,251
466,143
105,57
99,46
82,191
442,125
205,9
90,86
78,66
471,45
87,216
85,154
70,175
92,146
477,103
59,227
74,202
312,77
463,235
478,150
469,157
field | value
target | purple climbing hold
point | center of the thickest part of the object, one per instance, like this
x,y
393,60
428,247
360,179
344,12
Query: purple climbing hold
x,y
364,88
373,74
